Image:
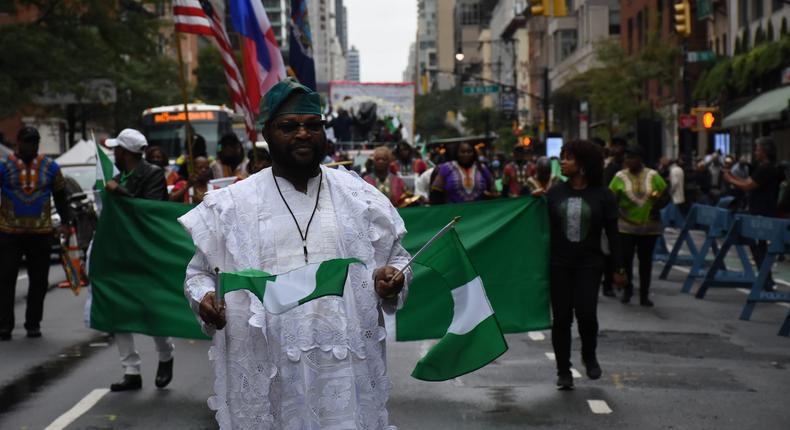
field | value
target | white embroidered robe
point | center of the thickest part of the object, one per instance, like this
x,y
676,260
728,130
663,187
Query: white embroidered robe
x,y
321,365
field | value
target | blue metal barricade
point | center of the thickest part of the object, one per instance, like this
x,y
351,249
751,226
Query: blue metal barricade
x,y
672,218
715,222
776,233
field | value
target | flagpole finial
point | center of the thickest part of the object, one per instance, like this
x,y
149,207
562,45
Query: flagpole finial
x,y
457,219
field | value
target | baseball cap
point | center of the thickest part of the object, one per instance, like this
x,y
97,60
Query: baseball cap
x,y
130,140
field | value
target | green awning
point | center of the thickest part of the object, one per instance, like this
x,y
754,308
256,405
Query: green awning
x,y
765,107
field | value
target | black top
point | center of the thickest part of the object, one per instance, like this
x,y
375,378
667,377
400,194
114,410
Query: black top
x,y
577,219
146,182
762,200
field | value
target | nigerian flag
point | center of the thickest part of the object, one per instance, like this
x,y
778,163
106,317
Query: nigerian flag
x,y
281,293
473,338
105,169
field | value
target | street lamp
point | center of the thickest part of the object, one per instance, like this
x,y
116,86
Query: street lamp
x,y
459,55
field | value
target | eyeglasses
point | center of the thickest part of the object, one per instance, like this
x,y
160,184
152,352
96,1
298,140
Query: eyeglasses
x,y
291,127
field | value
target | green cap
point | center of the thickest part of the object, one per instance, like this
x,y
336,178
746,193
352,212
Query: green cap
x,y
288,97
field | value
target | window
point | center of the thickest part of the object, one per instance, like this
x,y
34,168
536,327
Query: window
x,y
470,14
758,9
565,44
640,29
630,35
776,5
614,21
432,61
743,12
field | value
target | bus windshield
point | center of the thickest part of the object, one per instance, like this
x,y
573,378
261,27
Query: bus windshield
x,y
168,130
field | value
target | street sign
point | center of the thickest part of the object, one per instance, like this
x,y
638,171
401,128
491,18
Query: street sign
x,y
704,9
687,121
482,89
700,56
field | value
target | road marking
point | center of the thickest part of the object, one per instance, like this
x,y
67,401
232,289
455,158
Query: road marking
x,y
743,290
550,356
78,410
536,336
22,276
618,383
575,373
682,269
98,344
599,407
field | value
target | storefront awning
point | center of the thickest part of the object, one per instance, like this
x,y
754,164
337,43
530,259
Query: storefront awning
x,y
765,107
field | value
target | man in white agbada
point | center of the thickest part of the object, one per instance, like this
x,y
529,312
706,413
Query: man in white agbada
x,y
321,365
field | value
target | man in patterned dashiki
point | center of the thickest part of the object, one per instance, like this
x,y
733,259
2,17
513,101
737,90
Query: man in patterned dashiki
x,y
321,365
28,182
638,190
462,180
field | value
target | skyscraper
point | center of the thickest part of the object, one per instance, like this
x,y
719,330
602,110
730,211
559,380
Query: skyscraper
x,y
352,71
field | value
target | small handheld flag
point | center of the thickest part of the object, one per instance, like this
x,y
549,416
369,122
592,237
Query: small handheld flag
x,y
281,293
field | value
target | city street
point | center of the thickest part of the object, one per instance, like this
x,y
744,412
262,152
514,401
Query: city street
x,y
685,364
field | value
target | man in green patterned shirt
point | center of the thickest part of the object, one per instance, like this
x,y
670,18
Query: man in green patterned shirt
x,y
640,193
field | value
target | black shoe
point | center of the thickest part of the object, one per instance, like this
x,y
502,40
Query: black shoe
x,y
164,374
5,336
34,333
644,301
626,297
593,369
565,381
129,382
609,293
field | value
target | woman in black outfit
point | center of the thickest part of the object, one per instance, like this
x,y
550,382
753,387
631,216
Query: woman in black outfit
x,y
579,210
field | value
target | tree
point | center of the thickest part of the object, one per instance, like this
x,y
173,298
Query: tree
x,y
70,44
431,112
615,88
212,87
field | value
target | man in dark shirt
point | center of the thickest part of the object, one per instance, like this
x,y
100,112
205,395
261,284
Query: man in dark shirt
x,y
143,180
763,189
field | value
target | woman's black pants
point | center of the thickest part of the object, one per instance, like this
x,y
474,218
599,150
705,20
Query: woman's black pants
x,y
574,291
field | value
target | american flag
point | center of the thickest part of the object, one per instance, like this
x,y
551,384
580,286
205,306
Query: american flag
x,y
199,17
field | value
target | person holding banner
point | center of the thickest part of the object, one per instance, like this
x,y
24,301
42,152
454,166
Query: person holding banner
x,y
142,180
580,210
390,184
462,179
321,364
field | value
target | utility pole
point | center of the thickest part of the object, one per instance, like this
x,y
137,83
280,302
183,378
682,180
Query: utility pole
x,y
545,103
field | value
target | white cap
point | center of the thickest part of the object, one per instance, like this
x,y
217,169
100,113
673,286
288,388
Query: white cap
x,y
130,140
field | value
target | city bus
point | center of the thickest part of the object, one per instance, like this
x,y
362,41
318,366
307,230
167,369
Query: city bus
x,y
165,126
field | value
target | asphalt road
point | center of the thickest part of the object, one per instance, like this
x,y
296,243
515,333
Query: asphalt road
x,y
685,364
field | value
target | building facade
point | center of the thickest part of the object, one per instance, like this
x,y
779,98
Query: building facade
x,y
328,55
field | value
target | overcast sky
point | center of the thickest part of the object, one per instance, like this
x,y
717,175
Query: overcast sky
x,y
382,31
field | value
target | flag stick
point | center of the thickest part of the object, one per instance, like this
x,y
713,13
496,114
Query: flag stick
x,y
185,96
428,244
219,300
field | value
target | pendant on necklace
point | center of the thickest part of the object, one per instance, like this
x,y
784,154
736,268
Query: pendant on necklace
x,y
304,247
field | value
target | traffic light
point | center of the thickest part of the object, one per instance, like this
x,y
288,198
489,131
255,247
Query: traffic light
x,y
539,7
683,18
526,141
706,117
560,8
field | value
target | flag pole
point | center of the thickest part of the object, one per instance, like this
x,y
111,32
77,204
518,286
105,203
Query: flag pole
x,y
185,97
428,244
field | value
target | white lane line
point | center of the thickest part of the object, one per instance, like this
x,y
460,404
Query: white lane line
x,y
784,305
98,344
743,290
22,276
536,336
80,408
550,356
682,269
599,407
575,373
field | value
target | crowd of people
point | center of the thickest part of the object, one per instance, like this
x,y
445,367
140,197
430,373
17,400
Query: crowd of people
x,y
603,202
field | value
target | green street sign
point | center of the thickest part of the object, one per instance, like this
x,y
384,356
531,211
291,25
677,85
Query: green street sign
x,y
700,56
483,89
704,9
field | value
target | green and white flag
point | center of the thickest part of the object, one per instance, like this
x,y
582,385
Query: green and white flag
x,y
473,338
281,293
105,168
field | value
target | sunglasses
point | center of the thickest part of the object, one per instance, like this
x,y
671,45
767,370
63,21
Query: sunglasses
x,y
291,127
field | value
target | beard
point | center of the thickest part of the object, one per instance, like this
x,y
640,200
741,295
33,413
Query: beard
x,y
282,155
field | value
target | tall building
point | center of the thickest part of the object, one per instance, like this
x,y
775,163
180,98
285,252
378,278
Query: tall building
x,y
426,56
341,17
328,54
410,73
352,73
279,13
